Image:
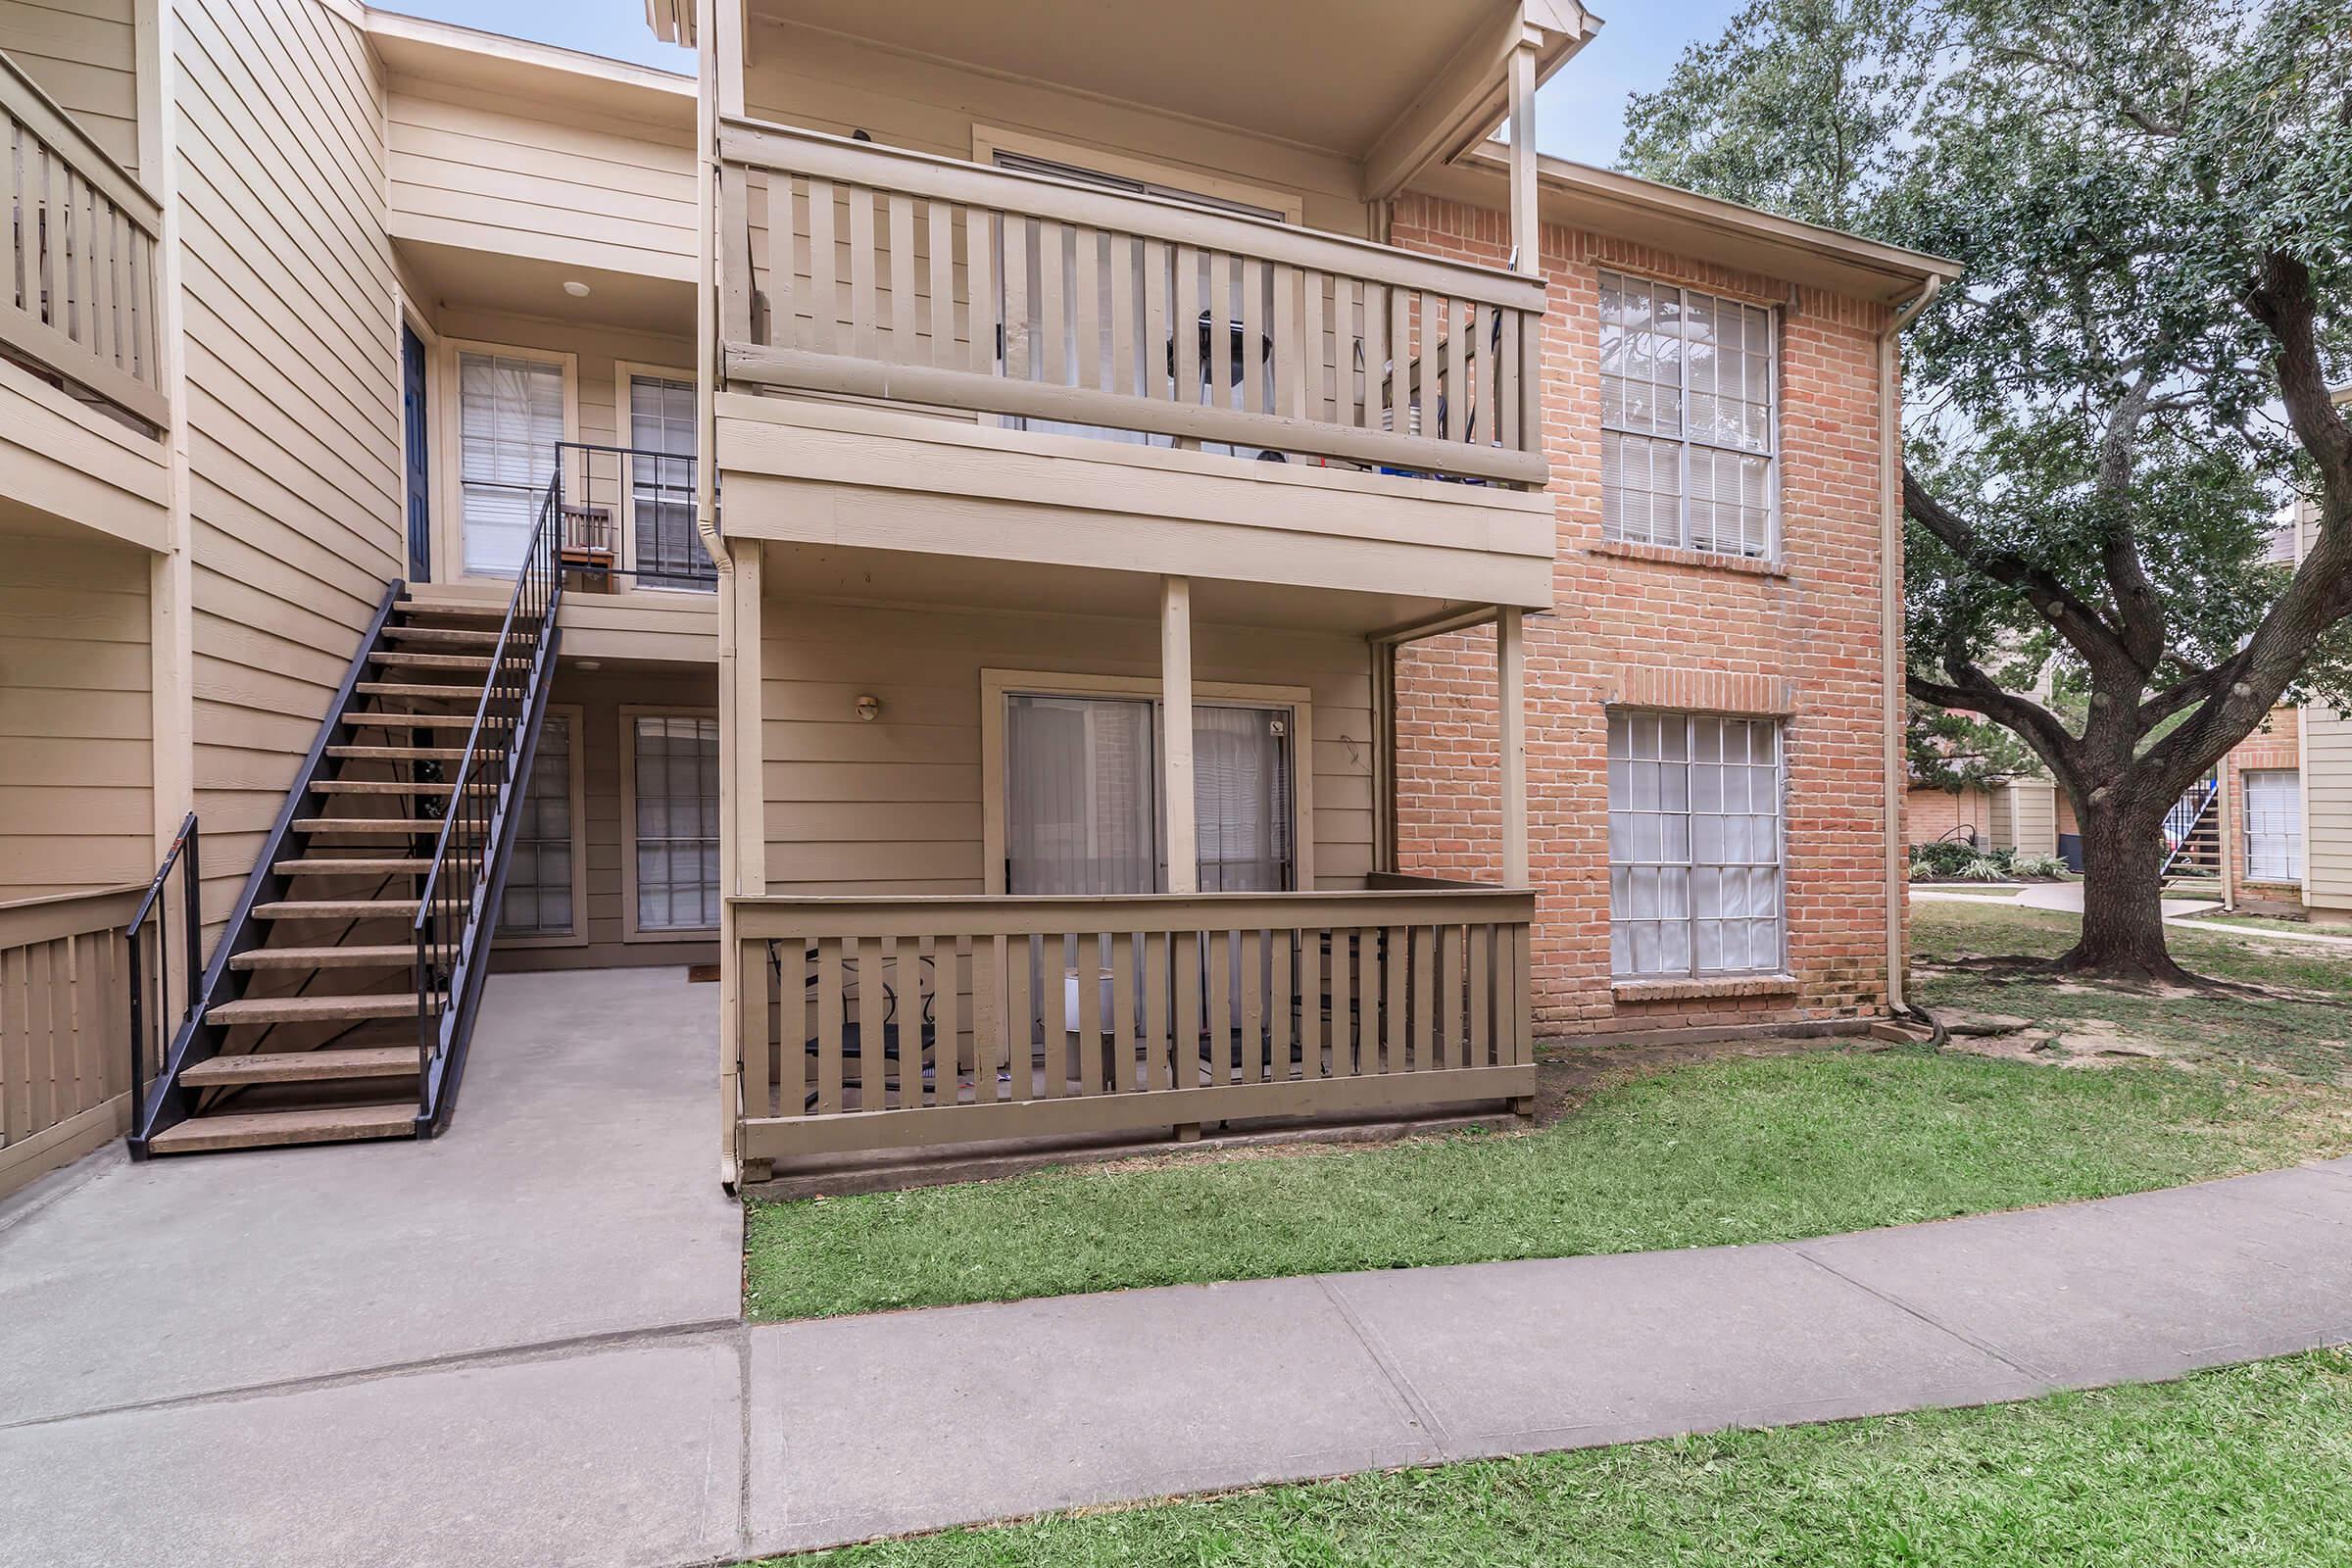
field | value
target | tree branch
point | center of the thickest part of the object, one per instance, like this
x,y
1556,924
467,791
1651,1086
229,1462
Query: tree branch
x,y
2078,622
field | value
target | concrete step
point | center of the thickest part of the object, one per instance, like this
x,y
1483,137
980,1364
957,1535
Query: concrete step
x,y
266,1129
302,1067
312,1009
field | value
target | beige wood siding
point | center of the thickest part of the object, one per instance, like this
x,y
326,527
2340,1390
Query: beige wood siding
x,y
84,54
2024,818
894,806
75,808
599,834
2327,819
805,76
466,168
293,396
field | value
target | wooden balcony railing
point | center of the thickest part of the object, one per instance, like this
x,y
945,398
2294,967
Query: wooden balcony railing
x,y
64,1023
890,1023
78,286
853,269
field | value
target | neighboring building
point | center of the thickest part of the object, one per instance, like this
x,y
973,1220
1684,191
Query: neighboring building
x,y
1235,595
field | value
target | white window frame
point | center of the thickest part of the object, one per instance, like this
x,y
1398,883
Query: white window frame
x,y
1684,442
449,431
2297,850
577,717
997,685
625,373
631,931
1778,963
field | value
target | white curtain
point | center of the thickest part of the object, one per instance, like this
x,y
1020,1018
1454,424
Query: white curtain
x,y
2273,812
670,551
511,415
1081,810
1242,798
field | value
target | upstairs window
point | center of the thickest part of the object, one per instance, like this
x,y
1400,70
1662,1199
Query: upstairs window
x,y
1689,419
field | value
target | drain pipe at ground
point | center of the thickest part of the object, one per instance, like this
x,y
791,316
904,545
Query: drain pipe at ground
x,y
1894,663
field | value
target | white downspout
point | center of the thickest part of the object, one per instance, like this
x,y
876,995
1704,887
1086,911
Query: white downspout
x,y
1893,663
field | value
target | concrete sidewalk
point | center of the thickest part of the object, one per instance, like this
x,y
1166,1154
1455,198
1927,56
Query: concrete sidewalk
x,y
691,1444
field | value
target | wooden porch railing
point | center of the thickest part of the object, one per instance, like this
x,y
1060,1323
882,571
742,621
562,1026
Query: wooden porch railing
x,y
853,269
77,288
64,1026
891,1023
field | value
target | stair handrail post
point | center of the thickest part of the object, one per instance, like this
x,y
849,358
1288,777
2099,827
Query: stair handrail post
x,y
133,934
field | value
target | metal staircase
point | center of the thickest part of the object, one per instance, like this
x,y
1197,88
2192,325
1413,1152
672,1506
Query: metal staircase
x,y
340,997
2193,833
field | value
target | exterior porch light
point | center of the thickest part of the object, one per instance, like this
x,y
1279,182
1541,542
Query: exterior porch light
x,y
868,708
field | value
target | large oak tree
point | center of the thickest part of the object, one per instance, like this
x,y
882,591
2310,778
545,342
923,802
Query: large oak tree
x,y
2153,203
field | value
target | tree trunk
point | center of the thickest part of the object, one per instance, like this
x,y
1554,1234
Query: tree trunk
x,y
2122,895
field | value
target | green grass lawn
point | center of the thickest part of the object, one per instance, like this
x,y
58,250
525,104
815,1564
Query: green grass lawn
x,y
2245,1467
1720,1152
2297,1023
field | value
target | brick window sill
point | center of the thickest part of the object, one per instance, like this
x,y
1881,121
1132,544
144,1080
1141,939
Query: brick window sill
x,y
1674,556
1740,985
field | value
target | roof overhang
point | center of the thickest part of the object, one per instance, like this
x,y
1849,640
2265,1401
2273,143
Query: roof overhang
x,y
1705,227
1391,86
536,73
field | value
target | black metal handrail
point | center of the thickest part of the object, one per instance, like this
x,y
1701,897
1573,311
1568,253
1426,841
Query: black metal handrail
x,y
598,485
188,840
451,919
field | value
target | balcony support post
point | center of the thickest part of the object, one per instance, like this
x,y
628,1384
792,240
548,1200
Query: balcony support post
x,y
1510,689
1176,752
1527,242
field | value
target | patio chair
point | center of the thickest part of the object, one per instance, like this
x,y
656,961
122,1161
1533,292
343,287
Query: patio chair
x,y
853,1030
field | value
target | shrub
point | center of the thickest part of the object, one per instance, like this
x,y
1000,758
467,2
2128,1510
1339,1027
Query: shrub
x,y
1988,868
2042,865
1945,857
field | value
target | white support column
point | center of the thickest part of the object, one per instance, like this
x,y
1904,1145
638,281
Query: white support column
x,y
1510,688
1527,241
1176,752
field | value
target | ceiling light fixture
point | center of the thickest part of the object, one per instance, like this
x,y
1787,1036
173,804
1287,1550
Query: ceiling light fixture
x,y
576,288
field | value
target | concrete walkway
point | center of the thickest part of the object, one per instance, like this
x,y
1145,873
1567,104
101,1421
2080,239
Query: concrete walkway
x,y
2185,914
539,1365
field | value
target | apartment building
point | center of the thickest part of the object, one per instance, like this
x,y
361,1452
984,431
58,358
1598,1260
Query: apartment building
x,y
1219,591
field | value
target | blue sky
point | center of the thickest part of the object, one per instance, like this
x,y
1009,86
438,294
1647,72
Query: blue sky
x,y
1578,115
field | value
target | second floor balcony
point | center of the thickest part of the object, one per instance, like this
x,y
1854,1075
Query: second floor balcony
x,y
940,325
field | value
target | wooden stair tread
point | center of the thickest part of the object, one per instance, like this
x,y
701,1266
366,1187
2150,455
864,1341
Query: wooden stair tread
x,y
262,1129
409,661
370,826
363,866
482,609
446,636
311,1009
381,786
398,754
361,957
302,1067
451,690
335,909
361,720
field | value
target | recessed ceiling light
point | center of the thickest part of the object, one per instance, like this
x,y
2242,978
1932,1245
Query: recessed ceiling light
x,y
576,288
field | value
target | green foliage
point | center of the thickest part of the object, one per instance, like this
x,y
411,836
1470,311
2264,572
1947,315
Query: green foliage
x,y
2047,868
1945,857
1954,751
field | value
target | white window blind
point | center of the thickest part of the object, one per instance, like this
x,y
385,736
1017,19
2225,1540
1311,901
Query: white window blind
x,y
676,789
669,551
1696,882
2273,812
1082,797
537,900
511,415
1689,389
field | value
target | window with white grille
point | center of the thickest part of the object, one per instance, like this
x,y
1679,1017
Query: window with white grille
x,y
2274,811
538,898
510,417
1689,392
674,793
1695,844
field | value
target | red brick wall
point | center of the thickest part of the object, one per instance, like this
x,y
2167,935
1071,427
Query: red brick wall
x,y
1930,813
1647,627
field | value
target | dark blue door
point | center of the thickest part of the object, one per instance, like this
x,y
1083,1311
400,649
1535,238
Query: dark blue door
x,y
413,414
